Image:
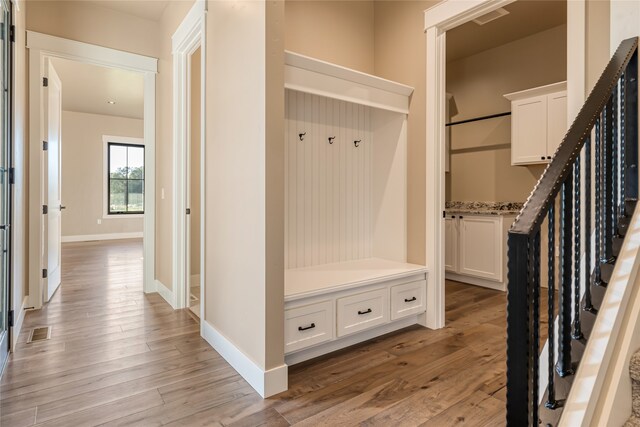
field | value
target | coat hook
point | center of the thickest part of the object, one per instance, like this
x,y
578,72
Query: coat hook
x,y
301,135
357,143
331,138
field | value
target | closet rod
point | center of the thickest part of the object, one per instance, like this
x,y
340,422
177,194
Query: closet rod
x,y
492,116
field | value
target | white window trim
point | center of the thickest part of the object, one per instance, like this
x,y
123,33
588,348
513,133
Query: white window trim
x,y
106,139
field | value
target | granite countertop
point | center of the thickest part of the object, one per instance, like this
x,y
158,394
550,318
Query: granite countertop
x,y
484,208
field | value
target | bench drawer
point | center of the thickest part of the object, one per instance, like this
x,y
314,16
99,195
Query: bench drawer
x,y
408,299
362,311
308,325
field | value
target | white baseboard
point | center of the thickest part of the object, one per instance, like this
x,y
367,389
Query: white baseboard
x,y
194,280
18,321
266,383
485,283
110,236
165,293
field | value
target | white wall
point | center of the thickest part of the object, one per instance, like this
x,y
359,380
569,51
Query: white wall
x,y
244,288
83,173
481,152
625,21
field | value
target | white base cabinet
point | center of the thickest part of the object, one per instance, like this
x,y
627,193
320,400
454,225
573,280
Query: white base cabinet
x,y
323,319
476,249
451,245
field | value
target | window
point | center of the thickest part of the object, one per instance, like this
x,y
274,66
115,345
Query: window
x,y
125,179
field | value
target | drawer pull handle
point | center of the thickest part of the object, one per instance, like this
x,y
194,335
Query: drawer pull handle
x,y
410,299
311,326
367,311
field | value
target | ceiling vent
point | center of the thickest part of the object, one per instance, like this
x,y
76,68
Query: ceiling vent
x,y
491,16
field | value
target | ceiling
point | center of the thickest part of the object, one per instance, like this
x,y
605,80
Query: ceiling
x,y
146,9
526,17
87,88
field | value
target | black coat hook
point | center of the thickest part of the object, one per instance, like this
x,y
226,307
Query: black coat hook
x,y
357,143
301,136
331,138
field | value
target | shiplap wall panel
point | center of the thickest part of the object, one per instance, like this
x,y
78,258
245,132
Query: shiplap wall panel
x,y
328,190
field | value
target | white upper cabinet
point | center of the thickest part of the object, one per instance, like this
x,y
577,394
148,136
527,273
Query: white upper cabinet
x,y
538,123
556,120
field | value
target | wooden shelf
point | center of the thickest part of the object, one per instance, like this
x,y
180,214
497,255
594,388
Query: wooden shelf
x,y
320,279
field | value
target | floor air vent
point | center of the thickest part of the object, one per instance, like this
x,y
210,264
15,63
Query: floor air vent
x,y
40,334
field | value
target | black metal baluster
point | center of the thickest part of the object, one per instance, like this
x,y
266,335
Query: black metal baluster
x,y
519,358
535,342
607,171
631,129
551,402
598,204
566,263
614,164
588,304
577,330
622,82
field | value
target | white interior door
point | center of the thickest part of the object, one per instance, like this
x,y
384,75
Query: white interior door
x,y
53,130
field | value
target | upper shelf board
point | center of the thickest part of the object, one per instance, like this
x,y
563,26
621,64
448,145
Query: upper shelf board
x,y
536,91
322,78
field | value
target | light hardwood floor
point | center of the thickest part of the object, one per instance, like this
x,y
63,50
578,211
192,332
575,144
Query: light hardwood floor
x,y
118,357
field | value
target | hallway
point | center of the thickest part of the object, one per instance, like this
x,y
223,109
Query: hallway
x,y
118,357
113,351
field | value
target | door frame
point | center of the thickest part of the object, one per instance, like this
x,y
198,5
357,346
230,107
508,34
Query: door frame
x,y
40,47
189,36
438,19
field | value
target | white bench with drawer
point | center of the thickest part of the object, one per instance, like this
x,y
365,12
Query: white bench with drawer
x,y
333,306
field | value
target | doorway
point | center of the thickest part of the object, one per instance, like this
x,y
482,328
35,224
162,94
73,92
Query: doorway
x,y
518,55
43,49
194,178
96,168
189,61
439,20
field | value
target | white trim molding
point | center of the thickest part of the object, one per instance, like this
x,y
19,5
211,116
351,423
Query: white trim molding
x,y
41,47
266,382
94,237
17,326
90,54
166,293
189,36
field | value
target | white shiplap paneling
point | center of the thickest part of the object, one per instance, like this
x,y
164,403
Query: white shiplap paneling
x,y
328,186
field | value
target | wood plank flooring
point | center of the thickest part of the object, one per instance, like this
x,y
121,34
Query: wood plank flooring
x,y
118,357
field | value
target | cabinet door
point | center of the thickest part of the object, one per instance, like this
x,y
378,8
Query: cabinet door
x,y
556,120
529,130
451,244
481,247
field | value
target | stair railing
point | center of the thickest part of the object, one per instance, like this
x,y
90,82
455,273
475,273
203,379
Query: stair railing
x,y
607,174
